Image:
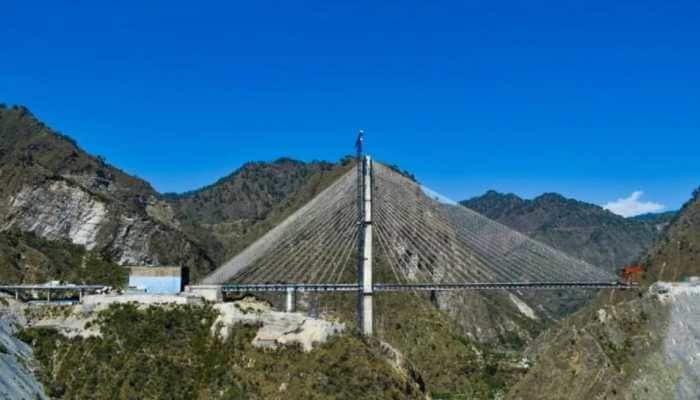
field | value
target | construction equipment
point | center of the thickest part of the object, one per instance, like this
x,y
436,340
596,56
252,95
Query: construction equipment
x,y
631,274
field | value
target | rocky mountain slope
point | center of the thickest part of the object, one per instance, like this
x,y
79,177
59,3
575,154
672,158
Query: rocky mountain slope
x,y
58,192
183,352
61,208
580,229
238,207
631,345
677,254
50,187
642,348
17,363
55,190
249,194
28,258
659,220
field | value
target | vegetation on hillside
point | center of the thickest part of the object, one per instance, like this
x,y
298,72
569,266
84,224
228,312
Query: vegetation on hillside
x,y
27,258
656,218
248,193
30,151
170,353
582,230
603,351
677,254
237,228
617,346
449,364
34,159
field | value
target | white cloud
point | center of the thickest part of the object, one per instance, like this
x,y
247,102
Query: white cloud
x,y
631,206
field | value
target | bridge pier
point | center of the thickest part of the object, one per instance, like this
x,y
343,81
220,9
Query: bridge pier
x,y
434,299
291,300
211,293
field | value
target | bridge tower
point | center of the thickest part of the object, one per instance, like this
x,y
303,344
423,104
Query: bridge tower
x,y
364,241
365,311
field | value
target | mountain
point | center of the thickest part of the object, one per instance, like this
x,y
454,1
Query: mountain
x,y
659,220
238,207
28,258
677,254
645,347
635,344
52,188
656,217
64,212
582,230
249,193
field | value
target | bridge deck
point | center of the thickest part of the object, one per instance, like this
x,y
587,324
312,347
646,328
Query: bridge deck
x,y
53,287
79,289
390,287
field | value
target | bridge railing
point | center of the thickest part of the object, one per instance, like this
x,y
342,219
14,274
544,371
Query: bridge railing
x,y
392,287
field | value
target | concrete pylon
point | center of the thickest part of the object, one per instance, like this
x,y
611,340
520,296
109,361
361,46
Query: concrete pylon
x,y
291,300
367,284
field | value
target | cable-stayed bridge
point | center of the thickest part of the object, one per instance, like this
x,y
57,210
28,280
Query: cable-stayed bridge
x,y
377,230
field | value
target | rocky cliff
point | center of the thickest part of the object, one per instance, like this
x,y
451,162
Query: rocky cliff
x,y
50,187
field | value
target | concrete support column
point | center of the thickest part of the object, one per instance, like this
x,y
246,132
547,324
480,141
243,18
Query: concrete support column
x,y
48,295
211,293
291,300
367,284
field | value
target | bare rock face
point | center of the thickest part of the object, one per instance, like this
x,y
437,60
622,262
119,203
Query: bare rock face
x,y
493,318
681,347
17,379
52,188
62,209
276,328
58,210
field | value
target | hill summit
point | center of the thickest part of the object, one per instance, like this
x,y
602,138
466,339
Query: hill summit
x,y
580,229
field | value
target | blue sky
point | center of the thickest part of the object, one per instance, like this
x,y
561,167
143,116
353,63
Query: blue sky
x,y
591,99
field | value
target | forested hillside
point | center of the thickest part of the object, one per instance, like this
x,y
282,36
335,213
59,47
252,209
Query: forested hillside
x,y
582,230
